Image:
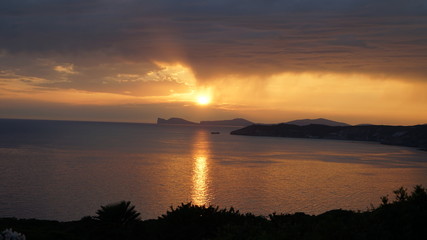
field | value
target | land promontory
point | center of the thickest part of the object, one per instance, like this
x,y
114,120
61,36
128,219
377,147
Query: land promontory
x,y
410,136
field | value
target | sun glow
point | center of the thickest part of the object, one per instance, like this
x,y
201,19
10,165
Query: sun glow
x,y
203,100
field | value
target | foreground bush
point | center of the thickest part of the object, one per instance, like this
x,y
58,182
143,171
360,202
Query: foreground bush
x,y
120,214
189,221
9,234
402,216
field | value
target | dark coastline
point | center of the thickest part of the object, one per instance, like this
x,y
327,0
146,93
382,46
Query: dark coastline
x,y
408,136
400,217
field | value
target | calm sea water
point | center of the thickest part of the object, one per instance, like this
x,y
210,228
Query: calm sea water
x,y
66,170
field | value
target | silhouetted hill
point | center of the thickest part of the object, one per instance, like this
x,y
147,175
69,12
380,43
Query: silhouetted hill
x,y
410,136
174,121
321,121
234,122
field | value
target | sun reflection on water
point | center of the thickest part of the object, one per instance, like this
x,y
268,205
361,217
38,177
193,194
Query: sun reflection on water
x,y
200,191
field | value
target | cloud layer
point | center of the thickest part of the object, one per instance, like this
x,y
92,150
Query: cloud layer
x,y
218,37
129,47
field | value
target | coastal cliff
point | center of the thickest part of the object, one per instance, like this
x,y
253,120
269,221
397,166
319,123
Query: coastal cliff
x,y
410,136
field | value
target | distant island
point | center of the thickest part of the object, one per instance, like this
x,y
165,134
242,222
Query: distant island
x,y
237,122
178,121
410,136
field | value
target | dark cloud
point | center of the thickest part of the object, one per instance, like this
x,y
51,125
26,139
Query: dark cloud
x,y
217,37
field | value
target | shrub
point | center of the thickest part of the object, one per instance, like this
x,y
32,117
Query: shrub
x,y
8,234
121,213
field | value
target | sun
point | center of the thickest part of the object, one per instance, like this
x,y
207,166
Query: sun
x,y
203,100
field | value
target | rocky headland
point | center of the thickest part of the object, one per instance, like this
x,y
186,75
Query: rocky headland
x,y
410,136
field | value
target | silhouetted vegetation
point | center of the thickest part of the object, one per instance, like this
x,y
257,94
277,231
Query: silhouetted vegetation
x,y
119,214
117,221
402,216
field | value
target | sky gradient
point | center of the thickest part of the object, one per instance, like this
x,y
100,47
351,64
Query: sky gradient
x,y
355,61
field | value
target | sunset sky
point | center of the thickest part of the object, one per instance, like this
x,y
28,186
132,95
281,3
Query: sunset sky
x,y
355,61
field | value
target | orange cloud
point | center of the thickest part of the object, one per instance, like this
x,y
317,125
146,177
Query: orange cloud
x,y
350,97
325,94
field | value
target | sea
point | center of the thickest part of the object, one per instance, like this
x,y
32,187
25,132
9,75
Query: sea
x,y
65,170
